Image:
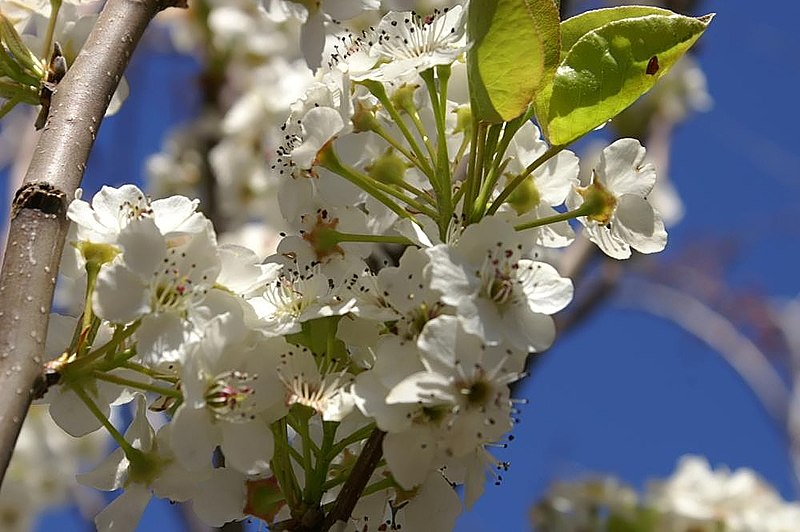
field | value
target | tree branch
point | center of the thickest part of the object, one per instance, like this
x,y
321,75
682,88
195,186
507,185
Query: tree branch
x,y
354,486
716,331
38,225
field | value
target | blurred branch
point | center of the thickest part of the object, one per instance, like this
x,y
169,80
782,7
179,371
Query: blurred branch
x,y
38,224
722,336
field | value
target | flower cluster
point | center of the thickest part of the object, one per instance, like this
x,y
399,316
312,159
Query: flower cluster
x,y
695,497
412,280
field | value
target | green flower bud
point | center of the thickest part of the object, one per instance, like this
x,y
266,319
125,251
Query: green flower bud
x,y
525,197
364,119
403,98
463,119
388,168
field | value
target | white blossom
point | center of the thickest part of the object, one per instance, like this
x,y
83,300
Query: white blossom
x,y
623,180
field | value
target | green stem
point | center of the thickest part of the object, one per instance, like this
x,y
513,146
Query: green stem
x,y
377,89
443,175
393,142
120,334
126,447
417,192
583,210
320,473
459,154
144,370
301,427
496,168
357,436
379,239
122,381
380,191
92,270
475,177
551,152
51,28
422,133
382,484
281,465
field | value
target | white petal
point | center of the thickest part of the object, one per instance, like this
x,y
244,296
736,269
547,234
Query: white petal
x,y
221,498
59,334
120,295
449,275
435,508
193,437
71,414
639,224
476,480
108,203
546,290
162,338
534,332
109,475
248,446
174,482
623,170
312,39
437,343
409,456
119,97
178,214
144,247
370,398
611,245
321,124
139,433
124,512
423,387
555,178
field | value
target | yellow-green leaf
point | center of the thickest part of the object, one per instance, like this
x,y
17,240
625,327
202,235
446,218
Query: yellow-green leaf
x,y
515,50
576,27
609,68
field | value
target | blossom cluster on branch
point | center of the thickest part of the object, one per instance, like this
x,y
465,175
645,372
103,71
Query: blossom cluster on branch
x,y
277,375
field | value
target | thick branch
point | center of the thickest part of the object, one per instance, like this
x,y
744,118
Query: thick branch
x,y
38,225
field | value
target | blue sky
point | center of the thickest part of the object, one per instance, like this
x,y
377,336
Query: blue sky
x,y
626,393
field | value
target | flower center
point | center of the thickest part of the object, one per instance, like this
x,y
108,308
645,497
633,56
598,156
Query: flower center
x,y
228,395
599,201
498,275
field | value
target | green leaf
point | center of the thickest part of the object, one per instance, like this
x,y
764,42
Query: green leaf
x,y
576,27
22,55
16,91
515,50
609,68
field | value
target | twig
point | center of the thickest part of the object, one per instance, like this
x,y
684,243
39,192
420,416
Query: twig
x,y
354,485
38,224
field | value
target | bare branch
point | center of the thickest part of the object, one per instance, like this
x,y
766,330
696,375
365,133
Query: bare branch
x,y
38,225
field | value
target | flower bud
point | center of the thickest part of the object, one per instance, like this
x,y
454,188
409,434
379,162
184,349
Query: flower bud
x,y
403,97
525,197
388,168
